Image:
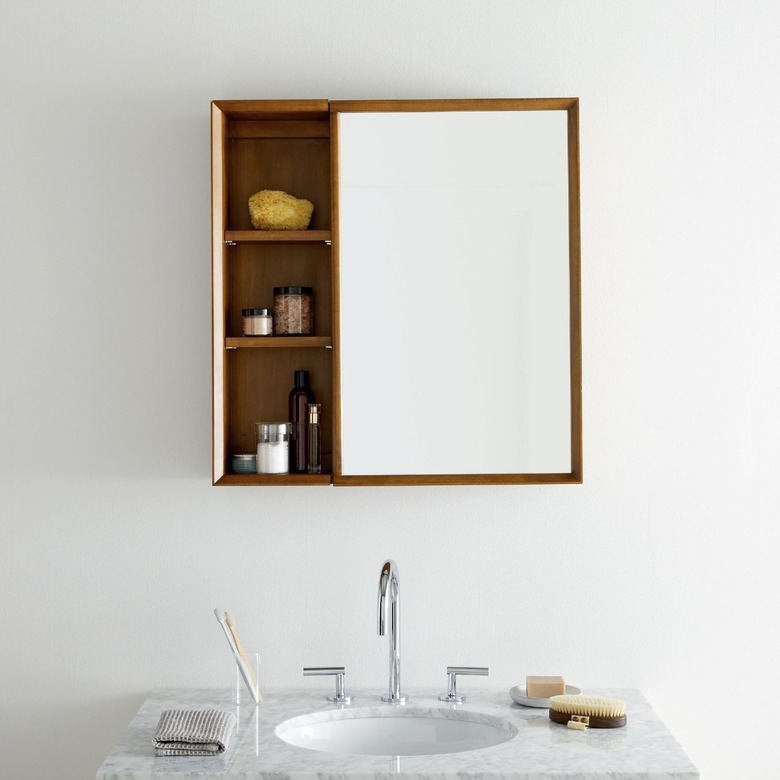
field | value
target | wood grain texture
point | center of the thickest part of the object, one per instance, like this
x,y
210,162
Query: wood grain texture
x,y
575,286
277,236
453,479
256,145
273,110
336,293
467,104
292,145
571,106
594,721
218,224
278,480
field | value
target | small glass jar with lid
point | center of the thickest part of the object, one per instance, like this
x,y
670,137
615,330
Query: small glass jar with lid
x,y
273,447
293,311
257,322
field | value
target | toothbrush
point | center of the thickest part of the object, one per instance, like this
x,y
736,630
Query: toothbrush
x,y
228,633
241,660
232,627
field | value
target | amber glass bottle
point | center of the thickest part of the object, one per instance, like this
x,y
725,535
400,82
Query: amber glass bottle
x,y
300,397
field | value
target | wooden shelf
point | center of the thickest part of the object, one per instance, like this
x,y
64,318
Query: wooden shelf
x,y
277,236
274,479
280,342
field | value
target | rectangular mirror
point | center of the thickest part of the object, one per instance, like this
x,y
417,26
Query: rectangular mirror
x,y
458,279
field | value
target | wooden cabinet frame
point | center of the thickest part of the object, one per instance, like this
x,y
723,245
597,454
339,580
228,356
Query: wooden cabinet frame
x,y
291,145
257,145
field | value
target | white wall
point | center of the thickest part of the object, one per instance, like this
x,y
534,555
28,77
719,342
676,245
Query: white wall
x,y
658,572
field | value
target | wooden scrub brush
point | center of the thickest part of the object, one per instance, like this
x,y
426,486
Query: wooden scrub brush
x,y
580,712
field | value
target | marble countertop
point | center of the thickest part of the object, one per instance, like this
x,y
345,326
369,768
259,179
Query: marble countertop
x,y
541,750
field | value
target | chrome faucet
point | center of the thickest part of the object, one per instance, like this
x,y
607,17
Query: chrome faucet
x,y
389,586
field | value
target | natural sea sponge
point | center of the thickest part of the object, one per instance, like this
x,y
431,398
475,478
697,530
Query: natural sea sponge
x,y
277,210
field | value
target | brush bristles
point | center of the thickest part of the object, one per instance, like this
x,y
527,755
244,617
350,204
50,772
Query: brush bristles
x,y
595,706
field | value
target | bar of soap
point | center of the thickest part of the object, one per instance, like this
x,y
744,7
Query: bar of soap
x,y
544,687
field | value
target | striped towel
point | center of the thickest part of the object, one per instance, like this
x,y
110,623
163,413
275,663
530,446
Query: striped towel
x,y
193,732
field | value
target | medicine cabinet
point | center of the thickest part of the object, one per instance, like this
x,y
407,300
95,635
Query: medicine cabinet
x,y
444,253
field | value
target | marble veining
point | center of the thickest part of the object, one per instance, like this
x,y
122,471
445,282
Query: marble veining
x,y
541,750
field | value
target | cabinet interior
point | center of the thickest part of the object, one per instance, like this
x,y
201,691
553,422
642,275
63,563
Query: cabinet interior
x,y
271,145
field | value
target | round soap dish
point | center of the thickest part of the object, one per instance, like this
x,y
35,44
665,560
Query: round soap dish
x,y
518,694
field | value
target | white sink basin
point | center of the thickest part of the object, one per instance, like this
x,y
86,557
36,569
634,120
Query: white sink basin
x,y
395,731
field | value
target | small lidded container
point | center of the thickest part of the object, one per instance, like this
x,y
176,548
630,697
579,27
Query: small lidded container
x,y
245,463
273,447
257,322
293,311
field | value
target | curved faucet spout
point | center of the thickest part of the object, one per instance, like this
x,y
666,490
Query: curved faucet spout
x,y
389,600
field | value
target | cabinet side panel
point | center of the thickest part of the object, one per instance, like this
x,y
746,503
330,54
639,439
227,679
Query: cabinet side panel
x,y
336,291
575,318
218,255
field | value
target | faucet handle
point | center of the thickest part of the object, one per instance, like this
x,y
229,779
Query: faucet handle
x,y
337,672
452,673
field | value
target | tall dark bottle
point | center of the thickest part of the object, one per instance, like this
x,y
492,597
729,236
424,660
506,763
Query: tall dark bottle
x,y
300,397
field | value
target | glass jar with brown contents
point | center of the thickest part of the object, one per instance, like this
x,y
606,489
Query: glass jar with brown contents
x,y
293,311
